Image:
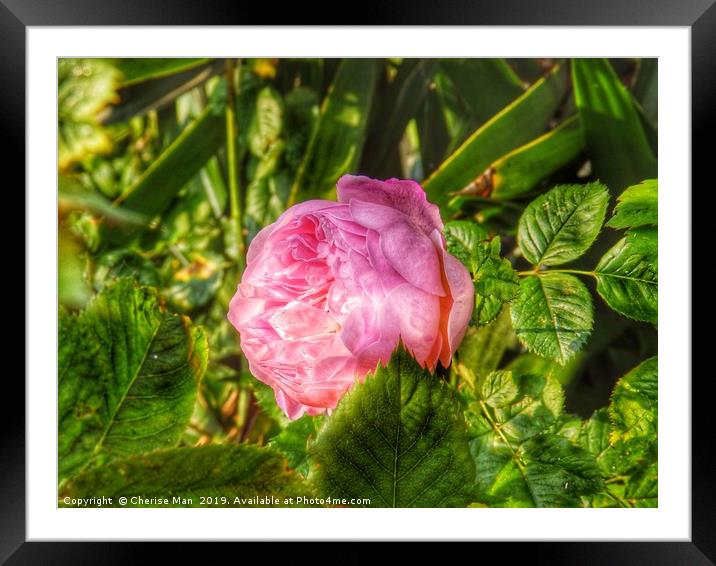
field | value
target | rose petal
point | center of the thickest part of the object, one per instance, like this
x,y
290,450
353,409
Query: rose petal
x,y
463,296
414,256
408,250
417,314
298,320
401,194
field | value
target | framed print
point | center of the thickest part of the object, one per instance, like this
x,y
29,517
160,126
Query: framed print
x,y
359,282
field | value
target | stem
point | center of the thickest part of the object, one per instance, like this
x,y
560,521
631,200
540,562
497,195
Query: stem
x,y
618,499
536,272
235,192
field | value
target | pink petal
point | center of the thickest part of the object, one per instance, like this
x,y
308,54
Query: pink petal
x,y
401,194
298,320
408,250
417,314
414,256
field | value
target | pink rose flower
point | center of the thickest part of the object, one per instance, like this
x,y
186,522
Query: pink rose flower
x,y
331,288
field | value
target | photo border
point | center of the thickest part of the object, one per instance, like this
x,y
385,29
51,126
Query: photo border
x,y
700,16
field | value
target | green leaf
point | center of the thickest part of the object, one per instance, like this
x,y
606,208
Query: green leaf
x,y
535,365
482,348
560,225
634,406
128,377
462,237
519,462
533,410
195,284
499,389
523,169
85,87
595,437
301,117
496,282
124,263
266,399
616,140
558,473
232,475
154,191
73,196
539,403
293,439
552,315
433,128
478,89
337,140
266,122
642,490
627,276
616,457
72,286
637,206
79,140
513,126
138,70
399,439
397,105
628,464
646,88
486,85
164,93
267,192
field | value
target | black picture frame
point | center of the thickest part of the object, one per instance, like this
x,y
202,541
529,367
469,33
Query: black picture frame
x,y
17,15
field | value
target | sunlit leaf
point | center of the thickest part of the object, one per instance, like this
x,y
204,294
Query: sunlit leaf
x,y
128,374
562,224
637,206
627,276
462,237
85,87
552,315
634,406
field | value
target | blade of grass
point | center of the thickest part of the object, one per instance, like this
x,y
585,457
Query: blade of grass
x,y
616,141
395,109
236,197
523,169
513,126
139,70
155,189
336,144
485,86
